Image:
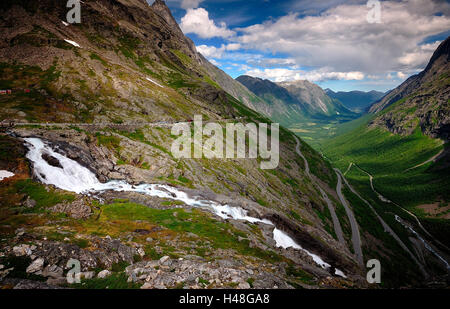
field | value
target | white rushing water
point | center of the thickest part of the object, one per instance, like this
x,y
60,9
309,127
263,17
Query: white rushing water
x,y
426,245
284,241
75,178
5,174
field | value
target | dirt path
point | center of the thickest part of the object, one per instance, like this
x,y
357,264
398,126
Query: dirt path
x,y
433,159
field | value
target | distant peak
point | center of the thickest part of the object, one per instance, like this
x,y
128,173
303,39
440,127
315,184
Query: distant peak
x,y
443,49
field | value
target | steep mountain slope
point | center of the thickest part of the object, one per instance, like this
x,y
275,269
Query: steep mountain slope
x,y
357,101
318,103
236,89
422,100
116,79
281,105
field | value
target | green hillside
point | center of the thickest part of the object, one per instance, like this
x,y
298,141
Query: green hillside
x,y
387,157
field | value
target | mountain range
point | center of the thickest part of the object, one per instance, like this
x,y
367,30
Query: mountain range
x,y
294,102
96,101
357,101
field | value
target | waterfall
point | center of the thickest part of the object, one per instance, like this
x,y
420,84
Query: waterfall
x,y
75,178
426,245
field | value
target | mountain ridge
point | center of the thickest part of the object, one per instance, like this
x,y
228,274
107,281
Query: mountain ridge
x,y
357,101
422,100
291,103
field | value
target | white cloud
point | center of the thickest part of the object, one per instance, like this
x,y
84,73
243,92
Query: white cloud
x,y
214,62
197,21
283,74
274,62
401,75
342,40
419,55
233,46
216,52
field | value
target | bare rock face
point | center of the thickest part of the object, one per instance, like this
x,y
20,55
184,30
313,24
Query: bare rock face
x,y
421,101
77,209
51,160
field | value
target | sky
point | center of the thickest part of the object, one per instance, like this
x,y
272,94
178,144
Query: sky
x,y
342,45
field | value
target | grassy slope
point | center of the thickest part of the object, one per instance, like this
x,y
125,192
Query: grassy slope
x,y
386,156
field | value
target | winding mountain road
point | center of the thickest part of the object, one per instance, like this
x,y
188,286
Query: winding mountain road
x,y
336,223
386,227
386,200
356,237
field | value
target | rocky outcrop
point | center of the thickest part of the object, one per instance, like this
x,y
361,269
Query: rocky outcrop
x,y
421,101
77,209
105,253
197,273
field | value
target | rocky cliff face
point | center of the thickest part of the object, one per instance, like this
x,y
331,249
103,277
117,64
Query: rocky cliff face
x,y
314,98
421,101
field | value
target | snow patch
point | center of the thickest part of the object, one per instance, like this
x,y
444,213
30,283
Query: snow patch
x,y
152,81
72,43
339,273
5,174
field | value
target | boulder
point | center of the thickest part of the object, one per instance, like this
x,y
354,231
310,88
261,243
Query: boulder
x,y
52,161
104,274
36,266
30,203
22,250
53,271
77,209
165,261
